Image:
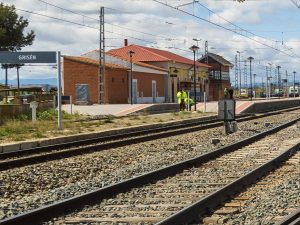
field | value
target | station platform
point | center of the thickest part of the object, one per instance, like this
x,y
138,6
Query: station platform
x,y
242,106
121,109
254,106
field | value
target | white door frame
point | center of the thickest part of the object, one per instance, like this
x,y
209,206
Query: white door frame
x,y
154,91
135,93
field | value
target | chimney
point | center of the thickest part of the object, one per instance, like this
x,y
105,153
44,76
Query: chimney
x,y
125,42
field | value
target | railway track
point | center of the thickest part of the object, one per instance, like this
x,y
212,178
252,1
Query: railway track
x,y
190,181
265,202
41,154
292,219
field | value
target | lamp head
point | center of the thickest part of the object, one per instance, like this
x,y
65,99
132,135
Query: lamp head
x,y
194,48
130,53
250,58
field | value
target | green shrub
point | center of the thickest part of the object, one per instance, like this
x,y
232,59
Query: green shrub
x,y
45,115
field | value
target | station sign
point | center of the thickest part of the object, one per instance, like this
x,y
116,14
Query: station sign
x,y
27,57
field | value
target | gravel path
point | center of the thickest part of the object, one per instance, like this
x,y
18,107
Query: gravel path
x,y
29,187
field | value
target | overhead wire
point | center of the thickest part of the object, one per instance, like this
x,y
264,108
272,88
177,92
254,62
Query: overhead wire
x,y
225,28
98,20
83,25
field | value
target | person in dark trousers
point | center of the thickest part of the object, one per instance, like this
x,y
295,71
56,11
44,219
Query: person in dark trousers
x,y
181,96
230,93
225,93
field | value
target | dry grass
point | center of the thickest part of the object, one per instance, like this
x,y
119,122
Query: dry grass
x,y
46,126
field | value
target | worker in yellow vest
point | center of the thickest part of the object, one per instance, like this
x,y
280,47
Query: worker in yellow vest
x,y
191,103
181,96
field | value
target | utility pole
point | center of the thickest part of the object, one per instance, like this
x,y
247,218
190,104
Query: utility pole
x,y
294,84
245,75
206,52
240,72
267,82
254,75
262,87
101,73
270,81
278,81
286,84
251,92
236,85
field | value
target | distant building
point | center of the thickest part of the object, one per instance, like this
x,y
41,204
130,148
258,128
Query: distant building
x,y
219,77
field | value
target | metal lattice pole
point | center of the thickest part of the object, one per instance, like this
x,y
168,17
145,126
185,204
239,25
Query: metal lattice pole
x,y
206,52
245,74
236,84
278,80
101,75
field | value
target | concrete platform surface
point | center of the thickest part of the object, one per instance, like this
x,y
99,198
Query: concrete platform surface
x,y
256,105
94,110
242,106
121,109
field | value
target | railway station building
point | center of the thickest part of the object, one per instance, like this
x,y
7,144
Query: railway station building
x,y
180,70
219,75
80,80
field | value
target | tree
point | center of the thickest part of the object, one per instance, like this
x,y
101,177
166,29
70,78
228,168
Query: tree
x,y
12,37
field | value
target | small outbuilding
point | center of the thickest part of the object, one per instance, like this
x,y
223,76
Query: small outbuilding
x,y
219,77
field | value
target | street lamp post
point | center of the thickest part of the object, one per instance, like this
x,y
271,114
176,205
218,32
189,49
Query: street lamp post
x,y
130,55
194,48
254,75
294,84
197,40
250,59
270,81
278,81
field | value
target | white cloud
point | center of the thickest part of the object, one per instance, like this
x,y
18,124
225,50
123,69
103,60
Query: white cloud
x,y
169,28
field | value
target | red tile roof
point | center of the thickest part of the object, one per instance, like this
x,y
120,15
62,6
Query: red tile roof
x,y
93,62
137,62
145,54
110,65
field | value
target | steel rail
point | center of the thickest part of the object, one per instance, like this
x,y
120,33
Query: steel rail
x,y
292,219
213,200
106,138
54,155
48,212
101,139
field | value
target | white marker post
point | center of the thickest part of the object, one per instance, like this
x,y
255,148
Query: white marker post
x,y
71,103
188,109
59,92
33,106
204,101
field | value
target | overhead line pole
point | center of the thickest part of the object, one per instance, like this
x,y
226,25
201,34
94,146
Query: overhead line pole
x,y
101,74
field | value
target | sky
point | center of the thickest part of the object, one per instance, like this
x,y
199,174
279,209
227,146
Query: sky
x,y
267,30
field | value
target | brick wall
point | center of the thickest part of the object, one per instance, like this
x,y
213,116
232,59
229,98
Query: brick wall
x,y
145,83
117,86
82,73
216,89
